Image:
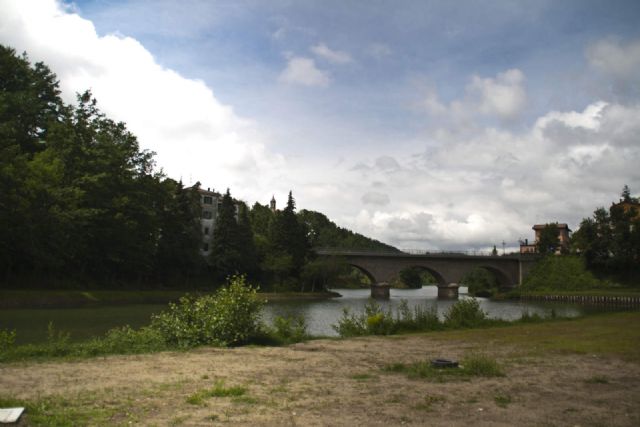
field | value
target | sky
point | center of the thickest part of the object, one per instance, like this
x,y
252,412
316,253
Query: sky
x,y
432,125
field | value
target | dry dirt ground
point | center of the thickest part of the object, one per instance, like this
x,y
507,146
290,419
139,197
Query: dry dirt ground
x,y
339,383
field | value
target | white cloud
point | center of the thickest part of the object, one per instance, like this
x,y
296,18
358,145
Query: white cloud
x,y
476,188
616,59
334,56
303,71
503,97
196,137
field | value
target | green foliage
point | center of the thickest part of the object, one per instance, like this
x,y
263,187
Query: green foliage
x,y
375,321
411,278
218,390
319,274
473,365
79,199
7,339
323,233
610,240
289,330
560,273
481,283
230,316
465,313
548,241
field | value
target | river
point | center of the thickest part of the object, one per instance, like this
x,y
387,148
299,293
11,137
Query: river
x,y
83,323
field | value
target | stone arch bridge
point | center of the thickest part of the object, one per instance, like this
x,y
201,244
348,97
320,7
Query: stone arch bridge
x,y
447,268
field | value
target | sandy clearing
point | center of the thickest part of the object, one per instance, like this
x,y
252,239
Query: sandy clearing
x,y
340,383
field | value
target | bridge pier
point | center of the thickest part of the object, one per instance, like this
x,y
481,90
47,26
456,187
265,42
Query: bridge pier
x,y
449,291
380,290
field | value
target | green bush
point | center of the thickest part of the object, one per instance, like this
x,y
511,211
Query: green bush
x,y
290,329
7,339
125,340
418,319
375,321
465,313
228,317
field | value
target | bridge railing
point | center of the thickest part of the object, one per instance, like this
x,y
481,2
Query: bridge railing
x,y
324,250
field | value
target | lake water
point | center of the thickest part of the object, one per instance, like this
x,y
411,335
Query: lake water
x,y
322,314
84,323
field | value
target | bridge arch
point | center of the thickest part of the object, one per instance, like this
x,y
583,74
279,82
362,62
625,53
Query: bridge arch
x,y
364,271
440,280
501,277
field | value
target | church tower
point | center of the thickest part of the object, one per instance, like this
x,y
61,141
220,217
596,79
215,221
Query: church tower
x,y
272,204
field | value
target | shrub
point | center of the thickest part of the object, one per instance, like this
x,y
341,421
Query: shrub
x,y
228,317
126,340
465,313
7,339
290,329
375,321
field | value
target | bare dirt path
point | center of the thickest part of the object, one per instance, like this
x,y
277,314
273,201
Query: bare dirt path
x,y
337,383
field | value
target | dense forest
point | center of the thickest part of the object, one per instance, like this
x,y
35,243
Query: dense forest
x,y
82,205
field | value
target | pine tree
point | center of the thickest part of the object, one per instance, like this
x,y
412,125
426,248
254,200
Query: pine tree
x,y
226,258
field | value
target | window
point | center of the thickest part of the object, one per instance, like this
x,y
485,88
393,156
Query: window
x,y
208,200
206,231
206,214
205,247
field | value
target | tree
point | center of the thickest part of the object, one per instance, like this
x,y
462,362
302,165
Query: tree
x,y
288,236
178,254
548,241
226,258
626,193
246,243
494,252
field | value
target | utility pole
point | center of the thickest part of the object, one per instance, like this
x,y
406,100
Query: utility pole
x,y
503,247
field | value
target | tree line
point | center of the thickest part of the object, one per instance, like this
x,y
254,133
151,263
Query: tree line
x,y
609,241
81,204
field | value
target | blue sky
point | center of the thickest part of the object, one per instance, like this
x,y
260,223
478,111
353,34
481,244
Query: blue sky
x,y
426,124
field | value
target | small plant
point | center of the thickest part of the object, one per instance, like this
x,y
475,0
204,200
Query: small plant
x,y
218,390
363,377
502,400
291,329
481,365
465,313
7,339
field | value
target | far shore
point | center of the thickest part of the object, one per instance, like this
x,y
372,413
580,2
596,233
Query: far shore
x,y
38,298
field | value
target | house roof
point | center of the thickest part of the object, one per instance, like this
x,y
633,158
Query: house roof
x,y
558,226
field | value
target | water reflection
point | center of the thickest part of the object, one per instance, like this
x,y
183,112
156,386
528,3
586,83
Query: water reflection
x,y
322,314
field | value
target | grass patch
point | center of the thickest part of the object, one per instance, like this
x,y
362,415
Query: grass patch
x,y
597,379
502,400
363,377
61,411
218,390
474,365
605,334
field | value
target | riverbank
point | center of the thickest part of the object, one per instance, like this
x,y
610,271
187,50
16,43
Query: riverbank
x,y
10,299
578,372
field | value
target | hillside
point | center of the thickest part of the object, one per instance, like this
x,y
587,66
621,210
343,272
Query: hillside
x,y
324,233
